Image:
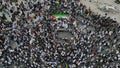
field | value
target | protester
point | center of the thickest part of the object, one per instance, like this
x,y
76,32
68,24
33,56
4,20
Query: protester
x,y
30,39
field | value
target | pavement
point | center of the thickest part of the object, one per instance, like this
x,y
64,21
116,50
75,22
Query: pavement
x,y
94,7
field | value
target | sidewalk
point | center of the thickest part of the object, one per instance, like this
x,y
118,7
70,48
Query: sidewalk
x,y
93,5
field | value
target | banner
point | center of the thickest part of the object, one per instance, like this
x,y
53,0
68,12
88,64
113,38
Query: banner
x,y
56,16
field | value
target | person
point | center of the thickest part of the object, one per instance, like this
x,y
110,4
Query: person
x,y
38,44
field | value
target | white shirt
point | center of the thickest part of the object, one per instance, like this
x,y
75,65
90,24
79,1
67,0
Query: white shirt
x,y
0,53
74,23
3,2
37,19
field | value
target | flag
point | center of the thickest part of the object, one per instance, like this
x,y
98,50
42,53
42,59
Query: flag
x,y
66,66
56,16
57,1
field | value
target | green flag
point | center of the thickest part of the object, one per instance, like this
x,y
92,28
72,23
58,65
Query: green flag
x,y
66,66
56,16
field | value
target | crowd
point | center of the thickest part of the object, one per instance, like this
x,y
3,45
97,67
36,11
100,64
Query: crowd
x,y
95,42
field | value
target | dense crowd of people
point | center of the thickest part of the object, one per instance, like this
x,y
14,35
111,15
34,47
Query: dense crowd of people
x,y
95,42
